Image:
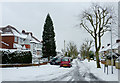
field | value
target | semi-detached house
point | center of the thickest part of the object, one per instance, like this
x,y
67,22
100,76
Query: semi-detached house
x,y
11,38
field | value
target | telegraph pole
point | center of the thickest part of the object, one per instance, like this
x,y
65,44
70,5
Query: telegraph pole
x,y
64,47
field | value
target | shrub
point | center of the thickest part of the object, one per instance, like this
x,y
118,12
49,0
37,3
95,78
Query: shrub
x,y
16,57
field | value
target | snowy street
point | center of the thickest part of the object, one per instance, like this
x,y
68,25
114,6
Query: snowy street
x,y
80,71
42,73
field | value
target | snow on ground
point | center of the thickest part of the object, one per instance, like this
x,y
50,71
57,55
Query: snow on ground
x,y
53,72
34,73
90,67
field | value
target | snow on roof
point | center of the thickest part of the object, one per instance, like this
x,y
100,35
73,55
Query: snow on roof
x,y
113,54
7,35
114,46
33,41
14,32
19,34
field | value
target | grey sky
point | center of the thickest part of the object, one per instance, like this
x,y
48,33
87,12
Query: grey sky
x,y
30,16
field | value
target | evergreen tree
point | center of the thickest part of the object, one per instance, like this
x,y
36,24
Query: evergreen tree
x,y
49,47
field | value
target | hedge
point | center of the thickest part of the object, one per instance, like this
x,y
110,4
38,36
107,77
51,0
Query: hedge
x,y
16,57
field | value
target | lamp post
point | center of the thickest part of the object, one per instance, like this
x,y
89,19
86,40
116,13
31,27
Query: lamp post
x,y
111,53
64,47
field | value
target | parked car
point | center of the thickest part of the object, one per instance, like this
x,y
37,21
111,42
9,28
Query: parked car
x,y
65,62
43,60
55,61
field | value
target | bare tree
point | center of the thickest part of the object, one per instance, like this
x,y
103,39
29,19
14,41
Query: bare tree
x,y
72,50
85,49
96,21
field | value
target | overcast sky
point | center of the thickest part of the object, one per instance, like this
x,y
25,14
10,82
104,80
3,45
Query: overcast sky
x,y
30,16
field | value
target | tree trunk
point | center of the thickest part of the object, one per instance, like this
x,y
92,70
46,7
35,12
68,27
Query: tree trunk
x,y
48,58
88,56
97,59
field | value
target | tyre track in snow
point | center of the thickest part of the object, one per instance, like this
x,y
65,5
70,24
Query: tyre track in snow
x,y
60,78
72,75
90,75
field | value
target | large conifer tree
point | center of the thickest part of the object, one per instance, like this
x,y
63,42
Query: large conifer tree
x,y
49,46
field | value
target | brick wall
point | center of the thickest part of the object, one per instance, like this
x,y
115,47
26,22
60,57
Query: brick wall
x,y
9,40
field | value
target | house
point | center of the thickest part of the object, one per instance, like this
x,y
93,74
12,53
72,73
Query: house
x,y
106,50
35,46
13,39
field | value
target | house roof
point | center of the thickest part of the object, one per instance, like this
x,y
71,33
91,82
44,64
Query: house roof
x,y
11,31
114,46
113,54
35,40
8,29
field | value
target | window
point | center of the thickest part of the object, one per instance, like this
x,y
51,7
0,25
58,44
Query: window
x,y
15,39
14,46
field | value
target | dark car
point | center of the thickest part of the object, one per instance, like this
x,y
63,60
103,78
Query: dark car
x,y
65,62
55,61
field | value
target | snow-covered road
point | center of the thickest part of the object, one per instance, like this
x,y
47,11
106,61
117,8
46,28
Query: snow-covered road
x,y
80,71
72,75
35,73
42,73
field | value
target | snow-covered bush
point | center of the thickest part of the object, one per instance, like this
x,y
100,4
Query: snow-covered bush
x,y
16,57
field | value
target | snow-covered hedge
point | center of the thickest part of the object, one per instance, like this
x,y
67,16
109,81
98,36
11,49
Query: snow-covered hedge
x,y
16,57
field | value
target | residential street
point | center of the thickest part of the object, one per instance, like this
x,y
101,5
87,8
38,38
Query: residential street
x,y
72,75
49,73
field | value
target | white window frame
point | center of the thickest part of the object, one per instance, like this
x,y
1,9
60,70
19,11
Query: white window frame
x,y
15,39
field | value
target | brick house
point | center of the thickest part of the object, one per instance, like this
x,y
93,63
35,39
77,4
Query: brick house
x,y
13,39
35,44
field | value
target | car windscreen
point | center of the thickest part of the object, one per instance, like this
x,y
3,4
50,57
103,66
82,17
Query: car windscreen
x,y
59,59
54,59
65,59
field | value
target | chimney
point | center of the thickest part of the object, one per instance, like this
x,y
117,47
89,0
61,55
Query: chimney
x,y
23,31
117,41
108,44
102,47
